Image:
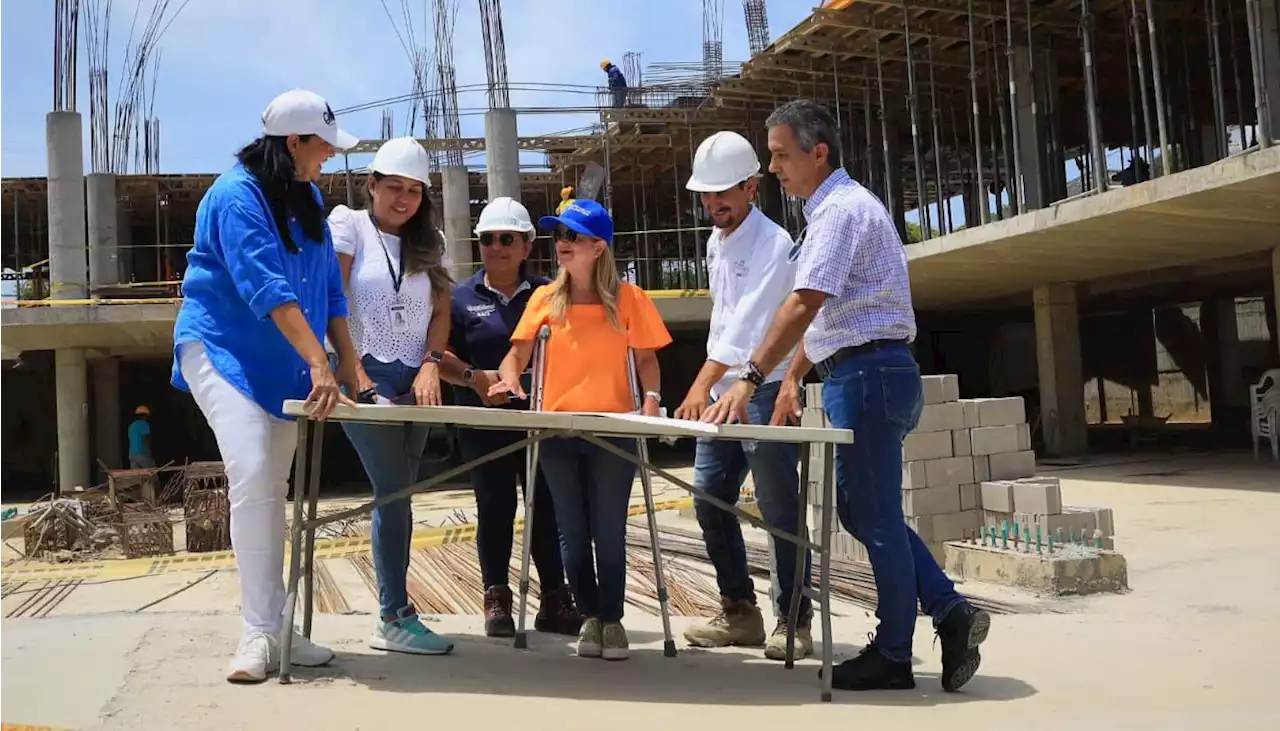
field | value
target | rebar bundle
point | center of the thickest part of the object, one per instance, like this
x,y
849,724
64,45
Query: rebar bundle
x,y
66,21
712,41
757,25
97,41
445,13
388,127
495,54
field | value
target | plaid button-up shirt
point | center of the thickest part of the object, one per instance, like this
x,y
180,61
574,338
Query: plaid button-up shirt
x,y
851,251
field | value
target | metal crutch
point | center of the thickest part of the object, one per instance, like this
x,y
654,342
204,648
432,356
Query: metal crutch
x,y
642,452
531,480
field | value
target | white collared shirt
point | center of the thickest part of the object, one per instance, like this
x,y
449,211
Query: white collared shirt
x,y
752,271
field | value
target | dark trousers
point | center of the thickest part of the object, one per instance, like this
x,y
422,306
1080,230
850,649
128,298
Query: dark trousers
x,y
592,489
495,486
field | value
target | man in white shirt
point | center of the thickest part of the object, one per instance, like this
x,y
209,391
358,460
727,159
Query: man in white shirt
x,y
752,265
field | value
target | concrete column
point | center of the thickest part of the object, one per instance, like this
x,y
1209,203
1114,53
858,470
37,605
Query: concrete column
x,y
104,252
106,412
1031,136
899,208
1228,393
502,153
1061,369
71,385
1271,59
124,244
68,272
456,185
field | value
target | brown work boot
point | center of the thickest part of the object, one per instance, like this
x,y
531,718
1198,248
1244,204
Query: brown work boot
x,y
557,614
776,647
497,612
738,623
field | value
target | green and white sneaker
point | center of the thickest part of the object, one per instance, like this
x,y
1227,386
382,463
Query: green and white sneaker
x,y
409,634
614,642
589,638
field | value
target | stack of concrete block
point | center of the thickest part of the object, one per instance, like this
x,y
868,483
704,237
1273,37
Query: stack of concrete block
x,y
1034,504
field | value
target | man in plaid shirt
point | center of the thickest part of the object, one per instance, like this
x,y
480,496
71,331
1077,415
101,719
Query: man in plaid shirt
x,y
851,305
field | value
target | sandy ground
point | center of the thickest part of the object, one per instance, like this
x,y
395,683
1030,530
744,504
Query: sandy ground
x,y
1191,646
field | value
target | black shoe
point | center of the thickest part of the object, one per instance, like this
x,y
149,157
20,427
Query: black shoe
x,y
961,631
497,612
871,670
557,613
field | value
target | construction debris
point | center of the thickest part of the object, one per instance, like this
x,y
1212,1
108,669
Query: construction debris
x,y
145,531
61,525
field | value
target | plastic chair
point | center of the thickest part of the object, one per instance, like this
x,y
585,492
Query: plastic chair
x,y
1264,405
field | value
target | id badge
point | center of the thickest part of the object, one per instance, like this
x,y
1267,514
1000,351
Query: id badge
x,y
399,316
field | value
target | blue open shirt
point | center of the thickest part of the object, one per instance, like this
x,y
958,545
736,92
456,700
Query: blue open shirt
x,y
237,273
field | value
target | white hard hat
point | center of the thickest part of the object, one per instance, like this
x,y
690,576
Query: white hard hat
x,y
504,214
723,160
404,157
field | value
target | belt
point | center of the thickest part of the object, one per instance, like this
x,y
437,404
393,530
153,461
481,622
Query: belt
x,y
826,365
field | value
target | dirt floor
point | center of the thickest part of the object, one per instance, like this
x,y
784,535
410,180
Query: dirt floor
x,y
1191,646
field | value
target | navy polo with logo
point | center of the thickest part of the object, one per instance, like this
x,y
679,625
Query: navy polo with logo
x,y
480,334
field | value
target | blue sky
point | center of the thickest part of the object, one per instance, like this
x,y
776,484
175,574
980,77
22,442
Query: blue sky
x,y
223,60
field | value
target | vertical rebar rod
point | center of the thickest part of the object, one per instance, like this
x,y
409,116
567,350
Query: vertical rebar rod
x,y
1016,187
1037,124
1192,139
870,129
1135,23
1057,160
835,84
1253,13
675,177
1212,25
1162,121
955,146
922,200
1235,73
1091,101
884,132
1133,101
944,223
994,94
1005,141
977,125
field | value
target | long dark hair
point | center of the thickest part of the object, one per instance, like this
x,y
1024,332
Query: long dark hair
x,y
422,243
268,160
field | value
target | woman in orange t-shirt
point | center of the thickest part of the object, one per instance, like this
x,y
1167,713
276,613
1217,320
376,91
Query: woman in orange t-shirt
x,y
594,319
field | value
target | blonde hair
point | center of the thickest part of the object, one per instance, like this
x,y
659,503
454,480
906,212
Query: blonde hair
x,y
605,283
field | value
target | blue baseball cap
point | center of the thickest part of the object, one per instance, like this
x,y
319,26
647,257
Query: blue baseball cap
x,y
585,216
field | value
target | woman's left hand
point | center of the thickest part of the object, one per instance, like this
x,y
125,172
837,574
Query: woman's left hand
x,y
650,407
426,386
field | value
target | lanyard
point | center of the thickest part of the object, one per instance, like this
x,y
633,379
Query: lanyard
x,y
397,277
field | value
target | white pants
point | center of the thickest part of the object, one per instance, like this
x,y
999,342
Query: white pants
x,y
257,453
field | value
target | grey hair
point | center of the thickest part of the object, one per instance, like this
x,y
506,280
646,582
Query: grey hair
x,y
811,123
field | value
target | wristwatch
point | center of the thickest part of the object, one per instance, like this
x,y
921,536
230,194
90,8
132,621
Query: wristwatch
x,y
468,374
433,356
752,374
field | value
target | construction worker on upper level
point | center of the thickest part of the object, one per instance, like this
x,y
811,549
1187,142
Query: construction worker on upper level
x,y
617,83
566,197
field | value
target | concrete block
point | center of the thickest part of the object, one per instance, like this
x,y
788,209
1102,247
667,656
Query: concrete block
x,y
981,469
931,501
960,445
941,389
941,417
996,411
951,471
971,416
1024,437
945,527
926,445
970,496
1068,570
997,496
1038,496
995,518
914,476
1071,521
1104,518
988,440
1012,465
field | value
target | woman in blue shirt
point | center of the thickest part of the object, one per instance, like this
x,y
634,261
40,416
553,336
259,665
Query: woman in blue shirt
x,y
262,287
486,308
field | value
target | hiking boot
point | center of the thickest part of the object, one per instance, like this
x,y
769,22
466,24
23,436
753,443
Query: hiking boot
x,y
590,638
613,642
557,613
776,647
871,670
738,623
960,632
497,612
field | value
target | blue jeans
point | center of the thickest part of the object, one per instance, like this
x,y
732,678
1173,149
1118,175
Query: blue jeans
x,y
879,396
391,454
719,469
591,490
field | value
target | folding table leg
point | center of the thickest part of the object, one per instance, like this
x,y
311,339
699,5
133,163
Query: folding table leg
x,y
669,644
824,573
300,479
526,543
313,498
802,531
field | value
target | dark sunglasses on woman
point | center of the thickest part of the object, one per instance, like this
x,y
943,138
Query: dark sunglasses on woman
x,y
506,239
566,234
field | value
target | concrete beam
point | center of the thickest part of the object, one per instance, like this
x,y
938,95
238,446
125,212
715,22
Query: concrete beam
x,y
1061,370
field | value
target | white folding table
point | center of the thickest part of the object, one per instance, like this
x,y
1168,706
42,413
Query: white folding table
x,y
541,425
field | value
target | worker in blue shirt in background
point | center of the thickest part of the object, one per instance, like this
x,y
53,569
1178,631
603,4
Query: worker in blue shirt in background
x,y
140,454
617,83
262,287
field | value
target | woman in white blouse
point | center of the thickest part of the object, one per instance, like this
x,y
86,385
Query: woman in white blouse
x,y
393,263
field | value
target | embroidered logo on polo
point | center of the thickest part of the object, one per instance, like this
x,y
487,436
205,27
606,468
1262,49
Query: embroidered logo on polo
x,y
482,310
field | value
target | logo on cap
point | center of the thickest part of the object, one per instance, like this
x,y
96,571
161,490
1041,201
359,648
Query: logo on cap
x,y
577,209
328,114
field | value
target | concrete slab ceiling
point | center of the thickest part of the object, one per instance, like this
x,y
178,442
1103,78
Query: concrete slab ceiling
x,y
1227,209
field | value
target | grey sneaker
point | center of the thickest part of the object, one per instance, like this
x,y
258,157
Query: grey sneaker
x,y
590,638
614,642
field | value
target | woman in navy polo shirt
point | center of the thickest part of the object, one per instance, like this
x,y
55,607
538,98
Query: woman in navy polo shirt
x,y
486,308
261,289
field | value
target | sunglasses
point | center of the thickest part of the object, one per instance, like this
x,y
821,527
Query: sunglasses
x,y
506,239
566,234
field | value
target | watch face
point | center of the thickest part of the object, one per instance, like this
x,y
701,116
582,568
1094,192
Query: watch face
x,y
434,356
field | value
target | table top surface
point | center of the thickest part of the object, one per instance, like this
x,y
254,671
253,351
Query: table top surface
x,y
625,425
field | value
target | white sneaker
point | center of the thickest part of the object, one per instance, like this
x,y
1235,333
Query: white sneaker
x,y
308,654
254,658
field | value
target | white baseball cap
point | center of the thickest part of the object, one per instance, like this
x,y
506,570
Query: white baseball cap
x,y
301,112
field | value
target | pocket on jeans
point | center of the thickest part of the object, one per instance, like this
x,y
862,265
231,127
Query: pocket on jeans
x,y
903,395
